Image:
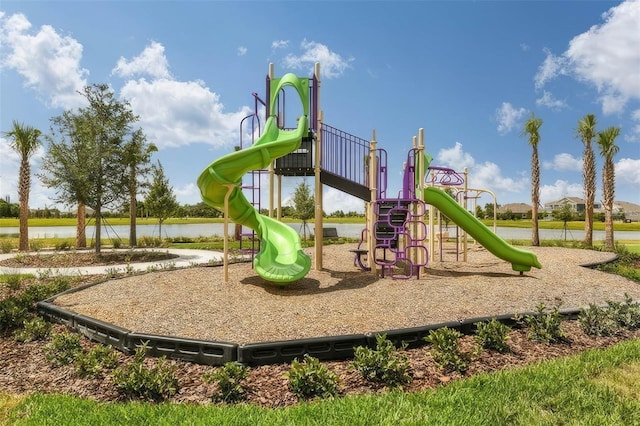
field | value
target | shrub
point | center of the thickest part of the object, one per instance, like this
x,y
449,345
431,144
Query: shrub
x,y
383,364
62,245
626,314
63,349
12,313
229,379
117,243
34,329
597,321
492,335
135,380
13,282
41,291
6,245
35,245
446,349
544,325
96,361
309,379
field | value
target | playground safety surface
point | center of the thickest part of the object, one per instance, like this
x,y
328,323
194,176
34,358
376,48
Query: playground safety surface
x,y
340,303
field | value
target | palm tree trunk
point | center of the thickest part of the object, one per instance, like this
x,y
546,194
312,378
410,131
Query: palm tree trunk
x,y
81,234
535,196
608,195
23,194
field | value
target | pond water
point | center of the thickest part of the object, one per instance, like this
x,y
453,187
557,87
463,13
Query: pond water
x,y
193,230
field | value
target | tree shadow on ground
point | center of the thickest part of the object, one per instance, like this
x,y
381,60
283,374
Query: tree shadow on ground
x,y
457,274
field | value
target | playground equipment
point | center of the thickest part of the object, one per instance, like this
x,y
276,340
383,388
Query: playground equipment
x,y
396,233
281,258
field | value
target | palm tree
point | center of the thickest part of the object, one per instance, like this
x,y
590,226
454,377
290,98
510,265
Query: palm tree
x,y
531,128
26,140
587,131
608,149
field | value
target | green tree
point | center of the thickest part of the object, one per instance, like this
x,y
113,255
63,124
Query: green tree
x,y
85,161
304,205
608,149
160,201
532,130
586,131
489,210
564,214
137,158
25,140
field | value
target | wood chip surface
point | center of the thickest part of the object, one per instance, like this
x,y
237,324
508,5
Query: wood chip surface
x,y
341,299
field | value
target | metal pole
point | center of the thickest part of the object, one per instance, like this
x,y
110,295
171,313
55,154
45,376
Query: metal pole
x,y
373,186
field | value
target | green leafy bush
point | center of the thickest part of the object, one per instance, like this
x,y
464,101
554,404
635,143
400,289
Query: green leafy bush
x,y
229,379
33,329
62,245
492,335
446,349
545,325
136,380
63,349
13,313
96,361
597,321
383,364
626,314
310,379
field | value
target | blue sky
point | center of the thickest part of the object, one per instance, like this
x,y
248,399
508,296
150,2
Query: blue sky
x,y
469,73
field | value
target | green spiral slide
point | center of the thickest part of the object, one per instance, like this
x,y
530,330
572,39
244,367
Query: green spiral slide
x,y
281,259
521,260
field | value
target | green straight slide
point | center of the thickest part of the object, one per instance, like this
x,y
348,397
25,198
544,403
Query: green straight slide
x,y
281,259
521,260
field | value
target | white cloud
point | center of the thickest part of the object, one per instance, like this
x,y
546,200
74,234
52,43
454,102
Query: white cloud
x,y
633,135
628,171
606,56
333,200
564,162
242,51
455,157
151,62
550,69
333,65
195,113
508,117
279,44
524,47
49,62
488,176
188,194
548,101
560,189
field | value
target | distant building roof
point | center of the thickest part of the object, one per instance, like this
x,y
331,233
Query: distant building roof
x,y
515,208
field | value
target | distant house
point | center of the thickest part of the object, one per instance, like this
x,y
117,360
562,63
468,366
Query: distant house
x,y
518,209
631,211
578,205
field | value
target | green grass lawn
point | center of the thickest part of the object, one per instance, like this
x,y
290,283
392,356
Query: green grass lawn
x,y
595,387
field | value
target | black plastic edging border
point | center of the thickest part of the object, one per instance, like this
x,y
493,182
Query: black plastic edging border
x,y
191,350
323,348
263,353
